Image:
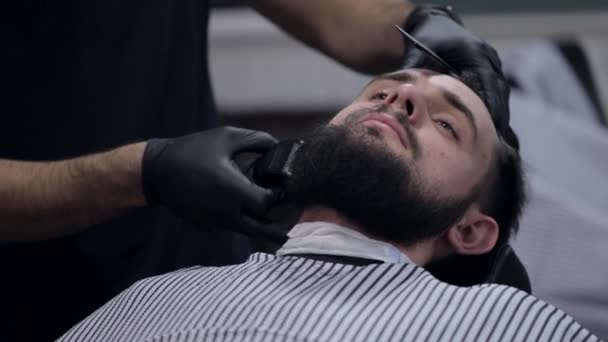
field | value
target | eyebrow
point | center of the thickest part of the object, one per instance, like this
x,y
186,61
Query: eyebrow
x,y
404,77
455,101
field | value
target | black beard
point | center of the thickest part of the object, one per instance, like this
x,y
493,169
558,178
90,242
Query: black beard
x,y
349,169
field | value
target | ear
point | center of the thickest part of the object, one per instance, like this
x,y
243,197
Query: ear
x,y
475,234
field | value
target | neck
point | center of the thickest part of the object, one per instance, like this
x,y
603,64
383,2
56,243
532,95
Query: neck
x,y
420,253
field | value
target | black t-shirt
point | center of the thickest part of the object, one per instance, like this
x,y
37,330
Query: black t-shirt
x,y
84,76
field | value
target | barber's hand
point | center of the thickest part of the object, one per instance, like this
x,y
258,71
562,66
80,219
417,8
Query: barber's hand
x,y
196,176
441,30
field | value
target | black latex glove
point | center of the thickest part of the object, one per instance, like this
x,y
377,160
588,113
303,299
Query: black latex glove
x,y
441,30
196,176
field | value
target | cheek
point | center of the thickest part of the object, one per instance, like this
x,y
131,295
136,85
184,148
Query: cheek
x,y
339,118
343,115
446,168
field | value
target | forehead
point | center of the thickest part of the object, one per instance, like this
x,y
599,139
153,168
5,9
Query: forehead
x,y
436,80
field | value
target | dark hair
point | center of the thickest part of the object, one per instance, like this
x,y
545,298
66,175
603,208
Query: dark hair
x,y
502,194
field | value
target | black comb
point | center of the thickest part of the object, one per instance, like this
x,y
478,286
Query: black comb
x,y
453,72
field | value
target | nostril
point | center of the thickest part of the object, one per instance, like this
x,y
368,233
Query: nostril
x,y
409,107
391,98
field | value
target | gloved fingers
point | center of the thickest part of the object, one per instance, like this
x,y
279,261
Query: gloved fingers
x,y
246,140
491,55
496,97
456,53
451,52
265,229
254,198
258,199
419,60
242,223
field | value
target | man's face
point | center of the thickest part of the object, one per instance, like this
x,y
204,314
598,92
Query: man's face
x,y
401,160
430,121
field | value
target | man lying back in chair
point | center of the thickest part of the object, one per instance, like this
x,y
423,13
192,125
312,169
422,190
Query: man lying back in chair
x,y
411,173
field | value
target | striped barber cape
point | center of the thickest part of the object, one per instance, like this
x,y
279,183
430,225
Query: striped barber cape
x,y
294,298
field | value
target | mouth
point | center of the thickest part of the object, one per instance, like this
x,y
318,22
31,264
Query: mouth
x,y
388,123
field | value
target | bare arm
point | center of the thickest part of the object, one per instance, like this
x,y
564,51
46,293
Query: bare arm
x,y
357,33
40,200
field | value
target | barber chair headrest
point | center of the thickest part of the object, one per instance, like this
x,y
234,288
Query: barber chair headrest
x,y
500,266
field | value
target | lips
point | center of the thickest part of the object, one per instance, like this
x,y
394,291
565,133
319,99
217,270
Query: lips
x,y
391,122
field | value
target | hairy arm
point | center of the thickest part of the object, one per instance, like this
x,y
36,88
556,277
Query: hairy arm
x,y
41,200
357,33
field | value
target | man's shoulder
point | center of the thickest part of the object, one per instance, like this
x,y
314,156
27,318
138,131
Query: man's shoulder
x,y
519,315
492,289
496,295
254,260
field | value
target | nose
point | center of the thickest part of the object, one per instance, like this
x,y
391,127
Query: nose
x,y
409,99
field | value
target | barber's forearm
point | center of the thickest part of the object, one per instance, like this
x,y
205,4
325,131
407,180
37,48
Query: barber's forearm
x,y
41,200
357,33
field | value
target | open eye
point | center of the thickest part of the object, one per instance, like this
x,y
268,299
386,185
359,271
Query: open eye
x,y
448,127
379,96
